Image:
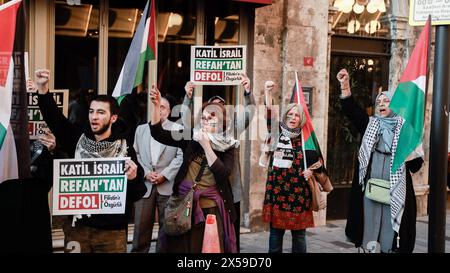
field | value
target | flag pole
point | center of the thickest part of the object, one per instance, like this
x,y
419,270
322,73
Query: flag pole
x,y
428,66
297,93
437,173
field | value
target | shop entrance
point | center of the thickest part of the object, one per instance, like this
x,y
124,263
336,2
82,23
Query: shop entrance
x,y
369,72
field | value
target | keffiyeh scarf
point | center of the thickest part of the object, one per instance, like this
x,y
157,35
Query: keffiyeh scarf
x,y
219,142
284,153
397,179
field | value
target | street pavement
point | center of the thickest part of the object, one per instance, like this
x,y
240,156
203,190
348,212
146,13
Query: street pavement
x,y
326,239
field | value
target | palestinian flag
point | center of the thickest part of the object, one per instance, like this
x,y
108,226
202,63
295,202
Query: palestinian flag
x,y
308,134
142,48
409,99
14,140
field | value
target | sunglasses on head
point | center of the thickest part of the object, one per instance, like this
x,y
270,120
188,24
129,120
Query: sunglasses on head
x,y
216,98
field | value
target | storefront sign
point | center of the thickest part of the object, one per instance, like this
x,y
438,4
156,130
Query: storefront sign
x,y
438,9
89,186
36,123
218,65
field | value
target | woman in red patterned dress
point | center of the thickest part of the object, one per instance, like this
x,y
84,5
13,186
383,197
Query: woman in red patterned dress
x,y
288,199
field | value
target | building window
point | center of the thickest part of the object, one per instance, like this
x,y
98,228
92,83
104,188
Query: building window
x,y
177,24
79,46
76,52
123,20
222,28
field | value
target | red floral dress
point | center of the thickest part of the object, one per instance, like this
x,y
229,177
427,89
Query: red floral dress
x,y
287,201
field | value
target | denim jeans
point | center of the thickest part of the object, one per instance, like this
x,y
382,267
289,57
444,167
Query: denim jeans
x,y
276,240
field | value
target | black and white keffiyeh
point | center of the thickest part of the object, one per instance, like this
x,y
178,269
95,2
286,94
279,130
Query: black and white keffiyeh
x,y
397,179
283,151
88,148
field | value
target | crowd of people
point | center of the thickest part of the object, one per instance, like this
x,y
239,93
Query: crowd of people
x,y
163,165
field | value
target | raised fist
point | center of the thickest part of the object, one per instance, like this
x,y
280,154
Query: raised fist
x,y
42,79
189,88
268,86
344,79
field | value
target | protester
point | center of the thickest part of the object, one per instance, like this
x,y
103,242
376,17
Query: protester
x,y
208,159
104,136
240,122
160,164
24,204
43,151
288,197
372,221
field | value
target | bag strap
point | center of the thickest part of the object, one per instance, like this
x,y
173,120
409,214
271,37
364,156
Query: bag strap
x,y
203,165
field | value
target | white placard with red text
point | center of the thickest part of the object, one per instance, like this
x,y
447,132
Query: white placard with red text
x,y
89,186
218,65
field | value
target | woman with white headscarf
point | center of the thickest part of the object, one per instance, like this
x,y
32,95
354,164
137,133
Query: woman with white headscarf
x,y
288,197
207,164
382,203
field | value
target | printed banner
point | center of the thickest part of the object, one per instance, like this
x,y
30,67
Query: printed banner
x,y
36,123
89,186
218,65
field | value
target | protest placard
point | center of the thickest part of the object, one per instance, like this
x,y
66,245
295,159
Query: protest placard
x,y
89,186
218,65
36,123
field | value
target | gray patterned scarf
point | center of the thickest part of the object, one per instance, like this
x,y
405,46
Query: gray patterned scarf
x,y
397,179
88,148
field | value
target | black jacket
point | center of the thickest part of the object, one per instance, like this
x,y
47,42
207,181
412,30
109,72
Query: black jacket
x,y
25,225
133,110
221,168
68,135
355,218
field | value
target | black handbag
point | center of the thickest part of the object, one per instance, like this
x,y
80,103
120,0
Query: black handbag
x,y
178,210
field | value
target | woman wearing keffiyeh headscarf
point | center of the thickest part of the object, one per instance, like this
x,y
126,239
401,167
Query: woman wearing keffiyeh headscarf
x,y
288,197
382,207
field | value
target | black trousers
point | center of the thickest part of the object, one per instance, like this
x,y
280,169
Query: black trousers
x,y
237,225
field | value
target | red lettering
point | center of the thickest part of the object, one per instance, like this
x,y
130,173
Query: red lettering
x,y
208,76
79,201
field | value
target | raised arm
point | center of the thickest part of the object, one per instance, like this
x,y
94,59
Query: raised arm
x,y
243,121
158,132
357,116
65,132
271,111
186,111
221,167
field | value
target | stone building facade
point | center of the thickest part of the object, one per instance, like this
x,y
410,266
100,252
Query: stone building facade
x,y
286,34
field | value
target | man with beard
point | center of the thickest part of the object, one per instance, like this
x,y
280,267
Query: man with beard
x,y
105,136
